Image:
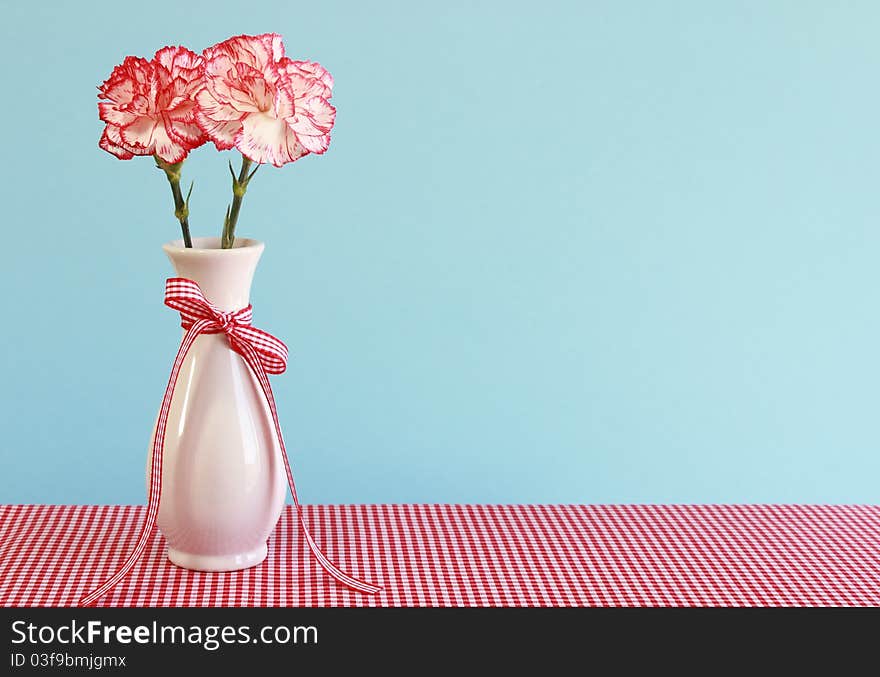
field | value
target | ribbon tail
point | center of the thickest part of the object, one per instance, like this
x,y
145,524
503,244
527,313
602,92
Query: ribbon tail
x,y
253,360
155,470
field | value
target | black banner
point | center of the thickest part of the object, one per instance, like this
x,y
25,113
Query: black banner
x,y
135,640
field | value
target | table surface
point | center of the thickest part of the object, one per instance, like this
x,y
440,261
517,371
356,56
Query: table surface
x,y
470,556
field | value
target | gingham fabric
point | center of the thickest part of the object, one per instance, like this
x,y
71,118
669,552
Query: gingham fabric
x,y
470,556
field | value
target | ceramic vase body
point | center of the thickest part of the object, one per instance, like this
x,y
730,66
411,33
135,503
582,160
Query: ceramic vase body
x,y
223,479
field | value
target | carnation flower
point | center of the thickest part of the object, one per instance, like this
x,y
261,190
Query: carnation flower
x,y
149,106
241,93
271,108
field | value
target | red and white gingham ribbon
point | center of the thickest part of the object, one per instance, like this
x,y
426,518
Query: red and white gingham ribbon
x,y
264,354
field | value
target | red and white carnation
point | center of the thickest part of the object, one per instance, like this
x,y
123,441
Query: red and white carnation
x,y
149,106
271,108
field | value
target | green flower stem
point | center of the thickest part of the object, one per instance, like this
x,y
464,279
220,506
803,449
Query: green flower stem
x,y
181,205
239,188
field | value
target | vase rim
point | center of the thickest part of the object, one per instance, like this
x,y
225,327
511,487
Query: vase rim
x,y
210,246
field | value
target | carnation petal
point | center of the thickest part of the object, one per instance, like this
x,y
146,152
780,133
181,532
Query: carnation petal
x,y
313,123
313,71
113,149
185,112
209,106
304,87
115,137
221,132
249,92
314,143
262,139
269,46
303,125
119,91
175,58
284,104
108,112
293,149
166,147
140,133
258,51
277,45
185,133
322,112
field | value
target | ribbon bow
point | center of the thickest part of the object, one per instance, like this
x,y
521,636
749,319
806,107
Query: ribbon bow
x,y
265,355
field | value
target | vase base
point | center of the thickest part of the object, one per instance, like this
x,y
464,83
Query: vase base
x,y
245,560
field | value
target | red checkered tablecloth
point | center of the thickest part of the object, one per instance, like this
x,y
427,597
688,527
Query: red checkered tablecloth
x,y
471,556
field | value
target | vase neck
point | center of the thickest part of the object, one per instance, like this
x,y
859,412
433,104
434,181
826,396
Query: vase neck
x,y
224,275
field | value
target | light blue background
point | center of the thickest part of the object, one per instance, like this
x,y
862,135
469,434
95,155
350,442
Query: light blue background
x,y
558,252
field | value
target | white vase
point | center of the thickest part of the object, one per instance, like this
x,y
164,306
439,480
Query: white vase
x,y
223,479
